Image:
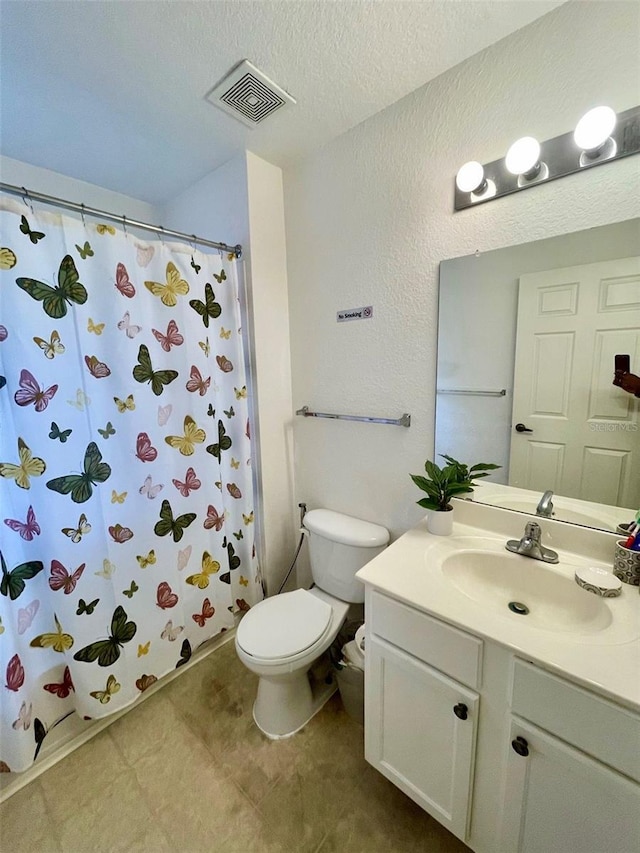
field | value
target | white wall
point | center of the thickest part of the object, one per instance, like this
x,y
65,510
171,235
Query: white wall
x,y
215,207
370,217
242,202
269,310
36,179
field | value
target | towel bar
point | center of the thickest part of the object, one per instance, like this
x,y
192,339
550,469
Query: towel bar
x,y
404,420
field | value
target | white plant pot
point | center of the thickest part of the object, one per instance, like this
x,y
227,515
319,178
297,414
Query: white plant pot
x,y
440,523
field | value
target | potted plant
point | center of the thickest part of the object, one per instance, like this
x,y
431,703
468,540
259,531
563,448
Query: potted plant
x,y
455,479
467,475
441,485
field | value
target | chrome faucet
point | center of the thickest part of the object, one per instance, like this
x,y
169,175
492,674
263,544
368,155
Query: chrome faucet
x,y
531,546
545,507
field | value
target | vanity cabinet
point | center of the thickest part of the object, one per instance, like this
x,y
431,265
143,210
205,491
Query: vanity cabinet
x,y
509,757
559,800
421,732
420,723
572,769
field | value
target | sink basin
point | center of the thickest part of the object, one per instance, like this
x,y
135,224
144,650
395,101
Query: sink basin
x,y
543,597
538,595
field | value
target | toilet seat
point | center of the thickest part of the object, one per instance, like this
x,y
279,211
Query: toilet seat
x,y
284,626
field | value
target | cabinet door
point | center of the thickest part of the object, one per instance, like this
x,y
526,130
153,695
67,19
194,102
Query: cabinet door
x,y
413,735
559,800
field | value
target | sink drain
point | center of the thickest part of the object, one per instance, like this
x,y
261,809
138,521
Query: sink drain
x,y
519,608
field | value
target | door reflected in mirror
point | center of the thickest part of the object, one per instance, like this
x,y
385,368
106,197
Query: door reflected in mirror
x,y
527,344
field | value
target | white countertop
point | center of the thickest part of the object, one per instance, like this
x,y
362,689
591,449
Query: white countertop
x,y
607,661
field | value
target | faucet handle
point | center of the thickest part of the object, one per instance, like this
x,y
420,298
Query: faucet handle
x,y
533,531
531,545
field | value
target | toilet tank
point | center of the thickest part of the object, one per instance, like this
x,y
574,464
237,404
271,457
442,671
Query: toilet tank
x,y
339,546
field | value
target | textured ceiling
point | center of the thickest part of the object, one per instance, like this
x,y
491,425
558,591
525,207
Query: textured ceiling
x,y
113,92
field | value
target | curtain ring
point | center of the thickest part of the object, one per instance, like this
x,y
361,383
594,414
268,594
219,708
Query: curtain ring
x,y
124,225
161,234
194,265
82,215
26,198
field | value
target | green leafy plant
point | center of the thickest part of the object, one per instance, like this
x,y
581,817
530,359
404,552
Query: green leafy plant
x,y
440,485
465,474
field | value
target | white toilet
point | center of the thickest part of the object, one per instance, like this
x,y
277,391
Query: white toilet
x,y
281,637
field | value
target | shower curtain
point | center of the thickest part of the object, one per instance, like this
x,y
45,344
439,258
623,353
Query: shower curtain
x,y
126,498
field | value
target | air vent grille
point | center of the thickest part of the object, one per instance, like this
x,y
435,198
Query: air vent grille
x,y
252,99
249,95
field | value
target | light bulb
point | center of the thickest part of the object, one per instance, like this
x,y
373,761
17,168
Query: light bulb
x,y
594,128
470,177
523,157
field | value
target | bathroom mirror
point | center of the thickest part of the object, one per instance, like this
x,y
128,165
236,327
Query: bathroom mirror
x,y
527,337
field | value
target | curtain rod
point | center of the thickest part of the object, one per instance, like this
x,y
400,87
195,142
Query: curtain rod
x,y
27,196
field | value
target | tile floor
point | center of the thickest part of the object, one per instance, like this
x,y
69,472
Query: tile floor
x,y
188,772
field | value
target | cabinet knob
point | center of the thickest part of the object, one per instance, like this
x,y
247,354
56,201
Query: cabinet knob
x,y
520,746
461,711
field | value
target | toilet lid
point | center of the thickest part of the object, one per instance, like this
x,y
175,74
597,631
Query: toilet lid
x,y
284,625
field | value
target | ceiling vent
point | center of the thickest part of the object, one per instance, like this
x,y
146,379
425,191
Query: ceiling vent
x,y
248,95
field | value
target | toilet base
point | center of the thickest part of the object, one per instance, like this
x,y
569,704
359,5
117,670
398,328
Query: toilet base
x,y
283,706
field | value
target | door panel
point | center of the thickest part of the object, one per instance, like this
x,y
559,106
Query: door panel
x,y
413,736
586,432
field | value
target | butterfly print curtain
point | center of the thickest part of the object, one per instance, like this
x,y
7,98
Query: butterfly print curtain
x,y
126,502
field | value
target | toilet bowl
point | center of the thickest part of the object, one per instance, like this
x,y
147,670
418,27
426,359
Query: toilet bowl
x,y
281,651
282,637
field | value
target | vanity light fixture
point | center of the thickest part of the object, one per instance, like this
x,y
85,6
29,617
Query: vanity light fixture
x,y
601,136
470,177
523,158
593,135
523,161
594,128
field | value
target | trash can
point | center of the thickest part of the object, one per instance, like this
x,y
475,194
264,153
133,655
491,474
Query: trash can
x,y
350,676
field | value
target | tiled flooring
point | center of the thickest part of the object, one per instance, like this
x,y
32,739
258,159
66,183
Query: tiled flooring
x,y
188,772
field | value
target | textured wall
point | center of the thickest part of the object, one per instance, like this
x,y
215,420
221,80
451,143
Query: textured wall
x,y
370,217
